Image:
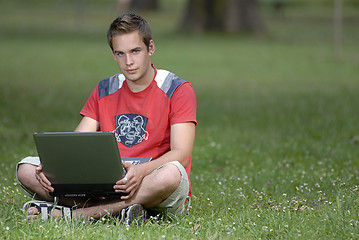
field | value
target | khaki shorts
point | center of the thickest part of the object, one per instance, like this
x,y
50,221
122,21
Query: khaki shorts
x,y
174,204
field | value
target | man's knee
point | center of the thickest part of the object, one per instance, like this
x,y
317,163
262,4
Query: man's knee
x,y
25,172
170,176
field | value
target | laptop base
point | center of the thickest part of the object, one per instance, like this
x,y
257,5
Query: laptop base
x,y
85,190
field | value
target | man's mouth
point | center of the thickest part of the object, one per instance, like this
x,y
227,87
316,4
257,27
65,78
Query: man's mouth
x,y
131,71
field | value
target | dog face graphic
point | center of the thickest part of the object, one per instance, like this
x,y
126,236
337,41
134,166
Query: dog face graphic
x,y
131,129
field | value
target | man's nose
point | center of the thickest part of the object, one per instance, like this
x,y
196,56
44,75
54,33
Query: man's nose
x,y
129,59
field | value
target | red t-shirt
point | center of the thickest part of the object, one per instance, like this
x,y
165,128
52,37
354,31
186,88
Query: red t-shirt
x,y
142,120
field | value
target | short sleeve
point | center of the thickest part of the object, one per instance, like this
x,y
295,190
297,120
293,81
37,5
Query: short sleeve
x,y
183,105
91,109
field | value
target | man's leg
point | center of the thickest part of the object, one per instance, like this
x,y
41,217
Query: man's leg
x,y
26,176
175,204
154,188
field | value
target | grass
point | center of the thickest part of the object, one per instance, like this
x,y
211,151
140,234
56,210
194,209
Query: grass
x,y
277,144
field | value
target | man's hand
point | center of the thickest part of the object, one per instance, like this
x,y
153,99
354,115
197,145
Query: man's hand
x,y
40,176
131,182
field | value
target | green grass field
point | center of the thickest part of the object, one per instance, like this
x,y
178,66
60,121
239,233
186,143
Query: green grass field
x,y
277,143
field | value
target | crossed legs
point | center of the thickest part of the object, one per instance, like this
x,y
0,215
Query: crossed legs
x,y
154,189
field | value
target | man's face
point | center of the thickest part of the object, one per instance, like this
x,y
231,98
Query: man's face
x,y
132,56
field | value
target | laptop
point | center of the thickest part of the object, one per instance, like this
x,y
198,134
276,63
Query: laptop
x,y
80,164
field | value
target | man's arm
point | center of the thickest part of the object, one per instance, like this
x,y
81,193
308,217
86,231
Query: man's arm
x,y
182,140
88,125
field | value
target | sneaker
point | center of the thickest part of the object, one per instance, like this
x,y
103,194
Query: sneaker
x,y
133,213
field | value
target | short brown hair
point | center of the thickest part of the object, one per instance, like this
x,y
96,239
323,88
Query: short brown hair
x,y
128,23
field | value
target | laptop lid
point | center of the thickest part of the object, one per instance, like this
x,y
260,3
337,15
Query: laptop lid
x,y
80,164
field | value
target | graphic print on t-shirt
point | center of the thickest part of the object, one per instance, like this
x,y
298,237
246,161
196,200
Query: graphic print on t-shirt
x,y
131,129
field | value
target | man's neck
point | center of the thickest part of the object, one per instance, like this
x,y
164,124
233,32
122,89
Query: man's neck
x,y
141,84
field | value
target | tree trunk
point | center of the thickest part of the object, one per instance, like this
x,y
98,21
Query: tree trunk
x,y
194,16
227,16
337,22
243,15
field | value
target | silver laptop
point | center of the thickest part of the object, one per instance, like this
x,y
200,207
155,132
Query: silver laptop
x,y
80,164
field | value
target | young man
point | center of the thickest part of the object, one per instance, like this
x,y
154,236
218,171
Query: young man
x,y
153,114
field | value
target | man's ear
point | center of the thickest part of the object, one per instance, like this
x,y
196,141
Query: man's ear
x,y
151,48
113,55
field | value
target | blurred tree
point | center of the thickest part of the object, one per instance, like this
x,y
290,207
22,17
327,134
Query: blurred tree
x,y
278,8
338,27
144,5
223,15
80,6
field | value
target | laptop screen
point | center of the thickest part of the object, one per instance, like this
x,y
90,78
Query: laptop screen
x,y
79,157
